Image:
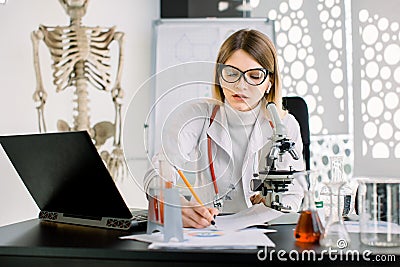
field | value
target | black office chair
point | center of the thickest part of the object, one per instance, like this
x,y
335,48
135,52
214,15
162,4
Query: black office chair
x,y
298,108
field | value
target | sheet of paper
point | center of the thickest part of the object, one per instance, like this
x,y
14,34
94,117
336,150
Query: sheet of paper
x,y
256,215
229,232
209,239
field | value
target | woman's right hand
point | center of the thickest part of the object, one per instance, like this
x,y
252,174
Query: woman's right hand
x,y
197,216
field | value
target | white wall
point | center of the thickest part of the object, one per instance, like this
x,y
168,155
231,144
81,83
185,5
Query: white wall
x,y
18,18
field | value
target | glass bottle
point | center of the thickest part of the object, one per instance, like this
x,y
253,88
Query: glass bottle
x,y
309,227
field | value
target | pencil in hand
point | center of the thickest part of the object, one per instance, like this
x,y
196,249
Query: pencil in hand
x,y
189,186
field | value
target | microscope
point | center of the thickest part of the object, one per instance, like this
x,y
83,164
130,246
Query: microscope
x,y
270,181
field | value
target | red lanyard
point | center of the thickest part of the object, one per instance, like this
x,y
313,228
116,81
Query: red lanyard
x,y
214,179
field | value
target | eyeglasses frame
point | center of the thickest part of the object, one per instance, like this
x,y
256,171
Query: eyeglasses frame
x,y
242,73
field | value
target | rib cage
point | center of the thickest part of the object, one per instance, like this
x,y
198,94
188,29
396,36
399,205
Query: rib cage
x,y
70,45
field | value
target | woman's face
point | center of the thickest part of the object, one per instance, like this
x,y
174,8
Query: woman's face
x,y
241,95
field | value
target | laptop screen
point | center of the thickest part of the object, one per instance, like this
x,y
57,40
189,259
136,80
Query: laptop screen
x,y
64,173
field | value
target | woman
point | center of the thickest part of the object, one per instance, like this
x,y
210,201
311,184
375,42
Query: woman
x,y
232,129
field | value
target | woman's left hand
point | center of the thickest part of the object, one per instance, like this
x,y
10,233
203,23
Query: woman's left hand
x,y
257,198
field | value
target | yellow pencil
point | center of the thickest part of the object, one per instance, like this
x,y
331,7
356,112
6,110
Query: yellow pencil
x,y
189,186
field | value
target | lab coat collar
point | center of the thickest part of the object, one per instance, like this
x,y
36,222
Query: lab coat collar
x,y
260,135
219,131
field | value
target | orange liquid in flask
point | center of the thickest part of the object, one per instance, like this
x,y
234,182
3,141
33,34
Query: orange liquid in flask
x,y
309,227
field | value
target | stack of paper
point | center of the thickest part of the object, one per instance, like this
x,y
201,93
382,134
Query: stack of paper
x,y
229,232
209,239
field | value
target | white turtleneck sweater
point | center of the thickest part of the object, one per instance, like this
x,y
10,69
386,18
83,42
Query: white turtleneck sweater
x,y
241,124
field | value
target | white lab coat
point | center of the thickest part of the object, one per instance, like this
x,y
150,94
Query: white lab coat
x,y
184,142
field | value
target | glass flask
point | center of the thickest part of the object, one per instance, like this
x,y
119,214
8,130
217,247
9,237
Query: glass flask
x,y
335,234
309,227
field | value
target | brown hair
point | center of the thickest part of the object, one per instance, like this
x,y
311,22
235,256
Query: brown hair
x,y
262,49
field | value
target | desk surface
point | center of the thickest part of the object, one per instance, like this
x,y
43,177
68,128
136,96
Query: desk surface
x,y
49,244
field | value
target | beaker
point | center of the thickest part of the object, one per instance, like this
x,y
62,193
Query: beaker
x,y
309,227
335,233
379,211
156,190
164,213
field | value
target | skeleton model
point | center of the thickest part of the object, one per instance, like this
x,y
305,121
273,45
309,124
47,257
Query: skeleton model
x,y
81,56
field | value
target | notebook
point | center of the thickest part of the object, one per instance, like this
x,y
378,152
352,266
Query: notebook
x,y
68,180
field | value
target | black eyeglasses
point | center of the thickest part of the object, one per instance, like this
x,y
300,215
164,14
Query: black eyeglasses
x,y
231,74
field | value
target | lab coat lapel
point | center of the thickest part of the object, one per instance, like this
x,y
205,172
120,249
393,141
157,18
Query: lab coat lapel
x,y
219,132
260,135
258,138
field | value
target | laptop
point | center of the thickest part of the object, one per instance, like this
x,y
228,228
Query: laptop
x,y
68,180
